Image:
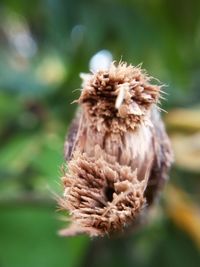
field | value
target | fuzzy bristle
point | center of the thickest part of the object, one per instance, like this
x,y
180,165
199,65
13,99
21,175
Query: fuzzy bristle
x,y
101,196
122,94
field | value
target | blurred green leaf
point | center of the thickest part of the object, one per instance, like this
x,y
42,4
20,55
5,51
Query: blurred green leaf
x,y
29,238
19,153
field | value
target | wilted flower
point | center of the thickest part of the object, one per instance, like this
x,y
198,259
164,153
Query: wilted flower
x,y
117,150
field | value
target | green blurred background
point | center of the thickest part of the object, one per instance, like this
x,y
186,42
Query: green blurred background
x,y
44,45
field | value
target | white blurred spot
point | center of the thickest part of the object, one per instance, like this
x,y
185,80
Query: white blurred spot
x,y
77,34
101,61
24,44
19,35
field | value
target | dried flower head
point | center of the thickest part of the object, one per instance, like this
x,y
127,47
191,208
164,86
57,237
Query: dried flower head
x,y
118,99
117,150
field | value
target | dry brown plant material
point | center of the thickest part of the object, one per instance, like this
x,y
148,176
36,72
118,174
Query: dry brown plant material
x,y
117,150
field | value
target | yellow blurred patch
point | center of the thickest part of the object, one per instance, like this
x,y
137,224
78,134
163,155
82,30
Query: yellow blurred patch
x,y
183,119
184,212
51,71
187,151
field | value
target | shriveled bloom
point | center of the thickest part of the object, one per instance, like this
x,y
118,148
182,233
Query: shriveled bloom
x,y
117,150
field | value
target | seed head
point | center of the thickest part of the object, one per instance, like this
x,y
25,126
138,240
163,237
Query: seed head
x,y
117,150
